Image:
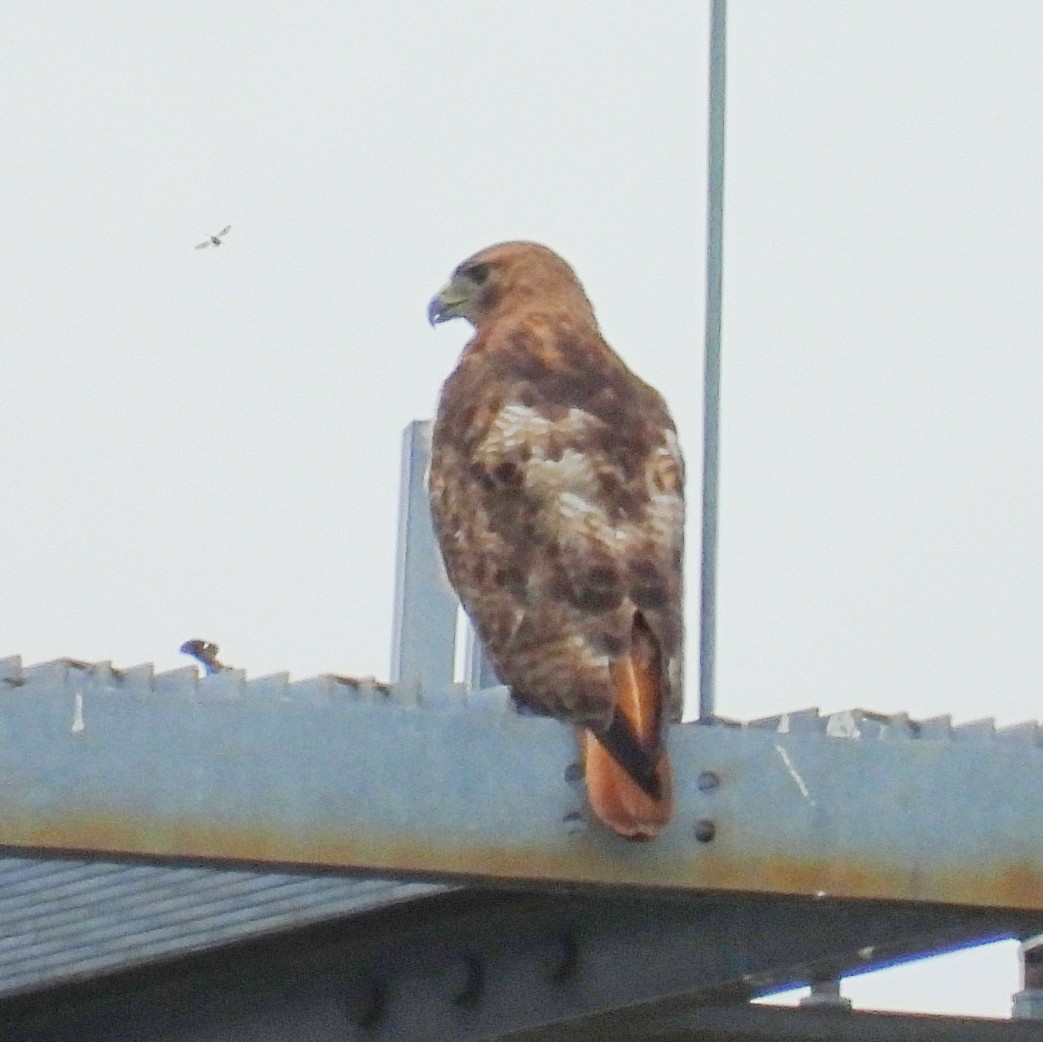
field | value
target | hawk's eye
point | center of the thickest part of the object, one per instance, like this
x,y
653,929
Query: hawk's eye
x,y
477,273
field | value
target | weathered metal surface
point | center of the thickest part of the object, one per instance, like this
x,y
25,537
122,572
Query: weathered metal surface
x,y
474,965
453,783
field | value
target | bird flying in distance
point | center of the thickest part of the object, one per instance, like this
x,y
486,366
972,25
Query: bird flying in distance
x,y
214,240
557,493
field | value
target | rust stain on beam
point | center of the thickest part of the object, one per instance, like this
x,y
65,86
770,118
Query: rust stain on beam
x,y
1017,886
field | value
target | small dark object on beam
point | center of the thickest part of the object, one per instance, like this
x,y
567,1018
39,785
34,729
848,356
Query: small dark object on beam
x,y
205,653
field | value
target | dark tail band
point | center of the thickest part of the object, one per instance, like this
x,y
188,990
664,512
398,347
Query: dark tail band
x,y
623,746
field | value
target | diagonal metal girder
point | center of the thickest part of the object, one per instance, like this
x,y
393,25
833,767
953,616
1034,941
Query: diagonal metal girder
x,y
326,774
744,1022
607,964
480,964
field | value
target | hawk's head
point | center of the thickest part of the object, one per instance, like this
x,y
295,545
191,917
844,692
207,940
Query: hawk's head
x,y
508,278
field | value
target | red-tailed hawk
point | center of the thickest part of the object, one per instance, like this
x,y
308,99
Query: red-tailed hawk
x,y
557,495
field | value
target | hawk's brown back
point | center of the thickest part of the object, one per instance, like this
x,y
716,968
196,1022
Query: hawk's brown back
x,y
557,495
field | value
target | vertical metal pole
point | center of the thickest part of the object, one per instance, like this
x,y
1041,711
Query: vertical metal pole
x,y
422,641
479,674
712,368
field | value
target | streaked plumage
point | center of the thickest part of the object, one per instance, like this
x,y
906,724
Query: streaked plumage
x,y
557,494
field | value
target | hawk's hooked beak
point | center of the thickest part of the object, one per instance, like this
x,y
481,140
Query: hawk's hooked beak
x,y
447,303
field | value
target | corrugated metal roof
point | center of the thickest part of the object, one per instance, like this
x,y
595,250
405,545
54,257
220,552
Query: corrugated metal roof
x,y
63,920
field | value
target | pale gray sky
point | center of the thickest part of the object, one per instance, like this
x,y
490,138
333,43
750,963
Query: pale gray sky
x,y
207,443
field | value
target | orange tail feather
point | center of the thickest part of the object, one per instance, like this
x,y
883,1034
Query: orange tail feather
x,y
615,797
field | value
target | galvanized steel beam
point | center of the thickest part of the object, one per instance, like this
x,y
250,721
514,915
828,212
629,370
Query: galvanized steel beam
x,y
456,784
